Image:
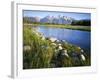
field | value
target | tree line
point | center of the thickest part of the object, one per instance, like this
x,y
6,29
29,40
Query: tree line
x,y
81,22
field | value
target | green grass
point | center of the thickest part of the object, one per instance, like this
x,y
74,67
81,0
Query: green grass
x,y
73,27
42,54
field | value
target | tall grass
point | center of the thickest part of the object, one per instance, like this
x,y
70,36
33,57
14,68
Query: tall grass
x,y
42,54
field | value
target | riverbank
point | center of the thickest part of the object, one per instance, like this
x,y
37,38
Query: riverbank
x,y
72,27
49,52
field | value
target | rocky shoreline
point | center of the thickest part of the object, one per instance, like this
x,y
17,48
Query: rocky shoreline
x,y
64,54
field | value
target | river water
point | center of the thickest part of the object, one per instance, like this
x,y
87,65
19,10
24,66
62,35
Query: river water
x,y
76,37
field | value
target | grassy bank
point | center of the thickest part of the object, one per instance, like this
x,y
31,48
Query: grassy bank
x,y
73,27
41,52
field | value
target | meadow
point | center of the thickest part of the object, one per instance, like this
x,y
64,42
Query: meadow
x,y
73,27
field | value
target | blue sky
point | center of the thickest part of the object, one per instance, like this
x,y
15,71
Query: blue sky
x,y
41,14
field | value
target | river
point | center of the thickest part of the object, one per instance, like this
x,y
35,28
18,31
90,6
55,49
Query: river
x,y
76,37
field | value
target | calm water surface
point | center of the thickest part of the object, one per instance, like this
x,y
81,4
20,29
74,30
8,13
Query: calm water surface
x,y
76,37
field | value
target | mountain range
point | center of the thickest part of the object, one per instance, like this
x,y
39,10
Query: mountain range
x,y
50,19
57,20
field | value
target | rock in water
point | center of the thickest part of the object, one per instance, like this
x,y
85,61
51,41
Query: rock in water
x,y
52,39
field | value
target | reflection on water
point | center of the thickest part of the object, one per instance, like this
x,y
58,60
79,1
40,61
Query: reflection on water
x,y
76,37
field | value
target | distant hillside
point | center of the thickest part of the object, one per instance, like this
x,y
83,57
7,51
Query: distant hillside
x,y
85,22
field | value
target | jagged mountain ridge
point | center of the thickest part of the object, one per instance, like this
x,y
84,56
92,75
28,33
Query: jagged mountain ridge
x,y
58,20
51,19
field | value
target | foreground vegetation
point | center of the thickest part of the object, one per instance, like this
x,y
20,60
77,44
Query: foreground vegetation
x,y
41,52
73,27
